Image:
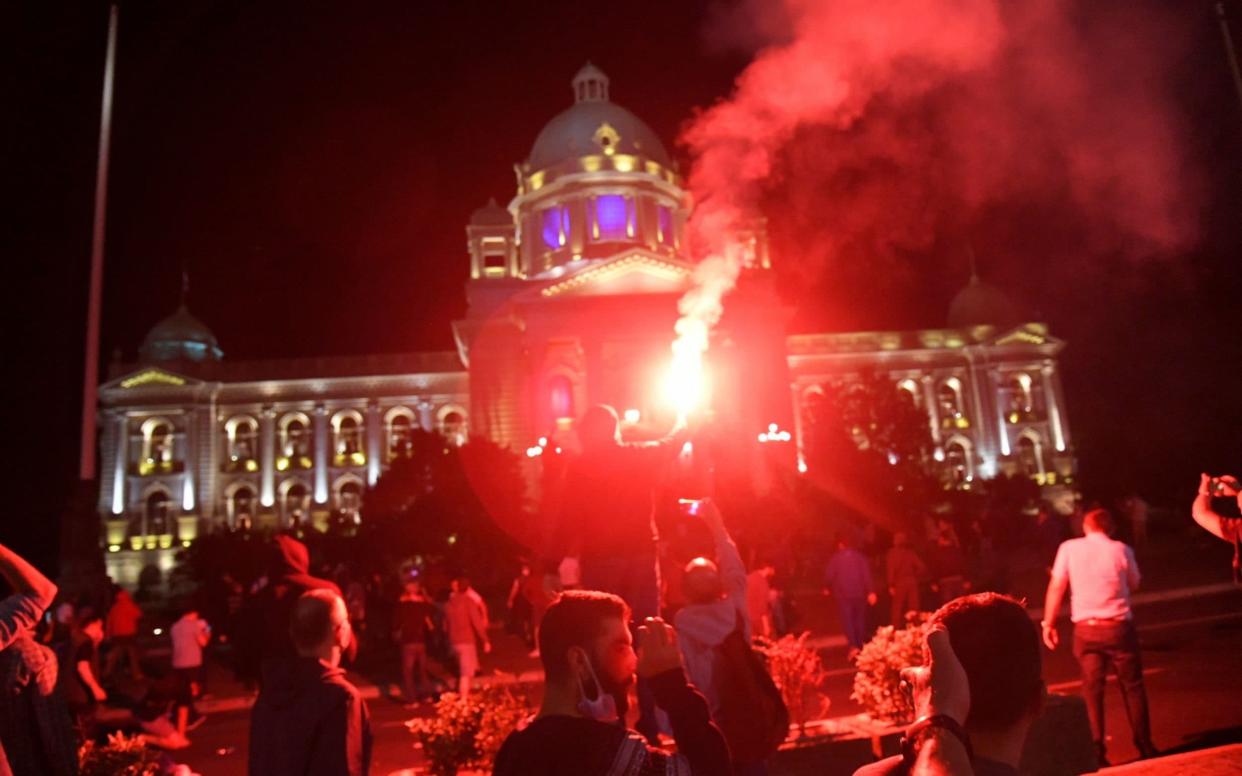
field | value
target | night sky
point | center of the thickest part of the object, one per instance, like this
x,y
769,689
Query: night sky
x,y
312,167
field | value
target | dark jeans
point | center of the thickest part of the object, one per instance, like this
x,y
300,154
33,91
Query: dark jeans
x,y
414,670
637,580
1098,644
853,620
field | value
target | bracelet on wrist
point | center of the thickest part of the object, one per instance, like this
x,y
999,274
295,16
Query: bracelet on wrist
x,y
918,732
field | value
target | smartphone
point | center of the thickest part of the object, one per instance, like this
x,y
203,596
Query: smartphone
x,y
1216,487
690,505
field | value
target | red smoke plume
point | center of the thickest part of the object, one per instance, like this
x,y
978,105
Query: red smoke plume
x,y
885,125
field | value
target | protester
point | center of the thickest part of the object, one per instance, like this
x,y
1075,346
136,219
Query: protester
x,y
998,647
903,570
759,599
413,619
715,609
1227,528
465,618
36,734
266,618
606,517
121,630
1101,574
308,719
520,614
79,675
163,712
589,662
948,563
190,634
848,579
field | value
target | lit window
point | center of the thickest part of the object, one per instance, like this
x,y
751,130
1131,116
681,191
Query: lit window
x,y
561,397
555,226
611,217
664,218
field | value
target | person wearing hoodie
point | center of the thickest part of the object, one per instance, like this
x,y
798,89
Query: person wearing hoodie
x,y
715,607
308,719
267,616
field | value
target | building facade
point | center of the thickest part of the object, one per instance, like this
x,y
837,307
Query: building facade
x,y
572,299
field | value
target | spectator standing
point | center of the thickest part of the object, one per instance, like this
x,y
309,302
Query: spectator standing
x,y
190,634
588,658
466,622
948,563
79,675
308,719
903,570
1101,573
759,599
847,578
413,619
121,629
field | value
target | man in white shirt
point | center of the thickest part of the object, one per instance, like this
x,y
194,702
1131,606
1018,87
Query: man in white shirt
x,y
190,635
1101,574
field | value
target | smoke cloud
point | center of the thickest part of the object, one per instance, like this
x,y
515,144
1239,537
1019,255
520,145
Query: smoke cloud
x,y
881,128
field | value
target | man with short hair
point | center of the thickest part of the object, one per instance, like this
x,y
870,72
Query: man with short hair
x,y
1101,574
411,622
308,719
465,619
903,570
998,647
589,662
848,579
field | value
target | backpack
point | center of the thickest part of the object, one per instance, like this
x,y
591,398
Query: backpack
x,y
753,716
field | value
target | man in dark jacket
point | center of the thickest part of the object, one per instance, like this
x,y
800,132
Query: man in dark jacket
x,y
308,719
266,617
589,661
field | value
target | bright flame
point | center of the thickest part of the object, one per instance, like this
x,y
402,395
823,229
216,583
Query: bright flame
x,y
632,416
686,386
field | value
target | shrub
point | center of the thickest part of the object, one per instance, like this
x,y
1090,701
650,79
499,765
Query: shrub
x,y
798,672
468,732
877,685
121,756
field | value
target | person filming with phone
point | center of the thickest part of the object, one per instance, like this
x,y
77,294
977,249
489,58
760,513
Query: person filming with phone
x,y
1221,526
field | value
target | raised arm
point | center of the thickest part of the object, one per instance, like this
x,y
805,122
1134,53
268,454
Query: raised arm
x,y
729,560
1202,510
32,594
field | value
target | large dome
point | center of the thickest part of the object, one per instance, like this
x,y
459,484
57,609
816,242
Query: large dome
x,y
594,125
979,303
181,337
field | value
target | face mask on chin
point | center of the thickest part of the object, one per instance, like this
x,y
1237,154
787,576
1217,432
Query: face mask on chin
x,y
610,702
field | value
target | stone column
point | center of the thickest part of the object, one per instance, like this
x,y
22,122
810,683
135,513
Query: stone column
x,y
267,462
1052,402
1002,433
933,406
189,461
121,465
425,418
373,441
322,443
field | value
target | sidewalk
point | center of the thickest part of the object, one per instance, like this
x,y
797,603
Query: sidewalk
x,y
1220,761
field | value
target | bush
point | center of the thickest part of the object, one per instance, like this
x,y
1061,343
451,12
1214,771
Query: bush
x,y
468,732
121,756
877,685
798,672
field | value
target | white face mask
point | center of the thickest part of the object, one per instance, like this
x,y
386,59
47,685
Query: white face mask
x,y
604,707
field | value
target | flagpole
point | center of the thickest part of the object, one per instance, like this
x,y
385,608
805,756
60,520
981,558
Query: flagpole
x,y
86,468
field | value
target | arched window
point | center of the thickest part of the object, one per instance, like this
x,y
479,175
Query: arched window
x,y
159,442
949,400
241,506
561,397
349,498
1029,454
295,502
158,517
613,217
1019,398
399,436
295,437
347,425
453,427
958,459
911,390
554,225
243,439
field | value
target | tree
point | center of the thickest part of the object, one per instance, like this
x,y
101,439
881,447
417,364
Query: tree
x,y
869,446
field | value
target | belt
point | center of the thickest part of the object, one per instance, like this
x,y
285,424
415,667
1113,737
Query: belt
x,y
1102,621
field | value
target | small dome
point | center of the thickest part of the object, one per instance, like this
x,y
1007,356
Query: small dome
x,y
181,337
979,303
491,214
594,125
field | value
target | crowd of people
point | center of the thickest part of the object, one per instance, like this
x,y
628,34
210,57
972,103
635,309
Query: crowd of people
x,y
600,621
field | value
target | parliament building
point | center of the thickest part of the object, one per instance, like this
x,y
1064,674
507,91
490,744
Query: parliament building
x,y
572,299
